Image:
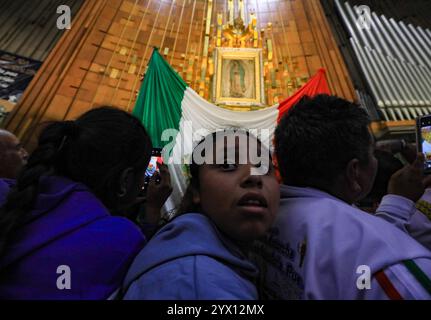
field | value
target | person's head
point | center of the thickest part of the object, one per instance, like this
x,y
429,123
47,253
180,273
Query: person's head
x,y
325,143
388,164
240,200
12,155
106,149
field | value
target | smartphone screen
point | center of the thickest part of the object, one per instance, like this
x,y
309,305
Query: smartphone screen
x,y
424,140
156,156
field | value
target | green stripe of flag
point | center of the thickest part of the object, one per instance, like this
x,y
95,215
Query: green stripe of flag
x,y
420,276
159,102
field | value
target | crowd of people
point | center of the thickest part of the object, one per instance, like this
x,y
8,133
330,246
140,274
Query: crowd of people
x,y
336,216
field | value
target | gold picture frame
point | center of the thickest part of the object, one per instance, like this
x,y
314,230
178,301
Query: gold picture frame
x,y
238,78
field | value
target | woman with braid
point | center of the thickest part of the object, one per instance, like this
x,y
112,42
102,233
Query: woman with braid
x,y
62,233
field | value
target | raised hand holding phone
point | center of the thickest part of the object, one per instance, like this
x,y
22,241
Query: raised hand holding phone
x,y
158,191
423,140
410,182
153,167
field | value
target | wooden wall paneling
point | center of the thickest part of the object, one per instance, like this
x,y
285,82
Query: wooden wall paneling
x,y
131,52
282,46
340,68
184,60
307,63
179,24
108,56
53,108
328,45
80,107
322,57
274,36
198,61
352,73
104,63
87,89
144,59
269,9
42,89
168,23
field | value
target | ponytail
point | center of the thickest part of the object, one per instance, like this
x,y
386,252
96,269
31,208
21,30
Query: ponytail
x,y
94,150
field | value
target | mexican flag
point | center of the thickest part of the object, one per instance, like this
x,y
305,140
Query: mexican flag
x,y
175,116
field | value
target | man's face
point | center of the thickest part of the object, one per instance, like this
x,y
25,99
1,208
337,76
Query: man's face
x,y
12,155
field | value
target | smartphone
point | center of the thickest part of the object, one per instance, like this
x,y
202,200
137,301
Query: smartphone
x,y
156,157
423,140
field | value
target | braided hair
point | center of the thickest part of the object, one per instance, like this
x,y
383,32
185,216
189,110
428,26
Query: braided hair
x,y
94,149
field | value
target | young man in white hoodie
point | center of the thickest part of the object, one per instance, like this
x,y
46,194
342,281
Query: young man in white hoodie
x,y
321,246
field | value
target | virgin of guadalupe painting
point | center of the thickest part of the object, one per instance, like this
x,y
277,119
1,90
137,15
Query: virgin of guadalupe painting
x,y
238,79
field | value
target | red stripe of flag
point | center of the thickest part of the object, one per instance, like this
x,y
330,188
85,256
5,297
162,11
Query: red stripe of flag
x,y
387,286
